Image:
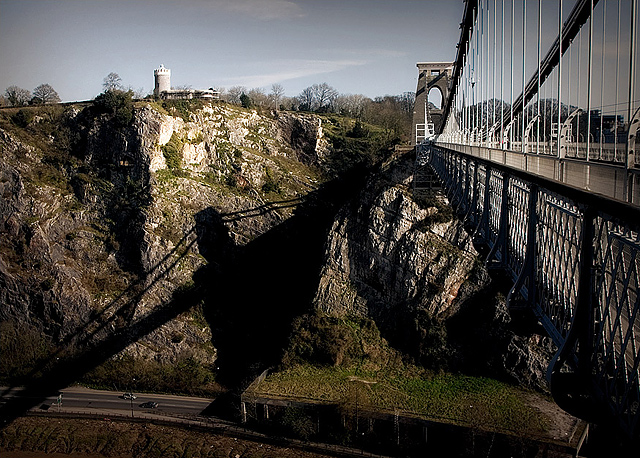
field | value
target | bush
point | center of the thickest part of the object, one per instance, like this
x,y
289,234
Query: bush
x,y
271,184
298,423
182,108
187,375
325,340
22,118
23,349
444,212
172,152
358,131
117,103
245,100
360,146
320,340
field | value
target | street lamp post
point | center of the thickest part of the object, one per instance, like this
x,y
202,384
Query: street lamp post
x,y
131,396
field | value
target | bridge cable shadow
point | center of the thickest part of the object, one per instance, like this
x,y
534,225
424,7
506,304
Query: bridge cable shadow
x,y
282,265
132,295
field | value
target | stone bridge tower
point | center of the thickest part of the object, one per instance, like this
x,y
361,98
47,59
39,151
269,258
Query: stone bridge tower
x,y
431,75
162,78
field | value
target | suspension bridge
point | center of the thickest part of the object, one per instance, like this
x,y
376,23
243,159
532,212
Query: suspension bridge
x,y
535,144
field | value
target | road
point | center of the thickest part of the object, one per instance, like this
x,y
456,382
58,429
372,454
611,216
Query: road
x,y
86,400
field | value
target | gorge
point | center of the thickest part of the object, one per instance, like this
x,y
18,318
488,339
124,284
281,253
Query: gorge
x,y
190,246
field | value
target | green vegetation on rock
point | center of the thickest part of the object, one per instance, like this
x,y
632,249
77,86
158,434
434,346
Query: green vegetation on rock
x,y
186,375
443,213
172,152
330,358
24,350
332,341
182,108
354,143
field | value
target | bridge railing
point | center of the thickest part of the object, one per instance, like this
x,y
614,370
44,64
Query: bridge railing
x,y
613,180
574,258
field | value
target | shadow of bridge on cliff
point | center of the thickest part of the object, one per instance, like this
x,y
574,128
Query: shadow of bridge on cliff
x,y
250,293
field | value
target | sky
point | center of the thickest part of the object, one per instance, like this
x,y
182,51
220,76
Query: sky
x,y
368,47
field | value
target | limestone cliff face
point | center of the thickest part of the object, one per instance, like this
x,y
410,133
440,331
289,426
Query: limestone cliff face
x,y
391,259
99,227
384,255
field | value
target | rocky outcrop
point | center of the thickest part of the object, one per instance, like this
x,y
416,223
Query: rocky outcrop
x,y
487,339
396,261
386,255
304,133
110,231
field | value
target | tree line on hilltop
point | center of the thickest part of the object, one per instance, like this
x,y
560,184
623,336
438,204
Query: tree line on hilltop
x,y
390,111
18,97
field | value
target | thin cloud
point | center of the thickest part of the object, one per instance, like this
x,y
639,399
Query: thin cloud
x,y
384,53
267,10
371,53
292,70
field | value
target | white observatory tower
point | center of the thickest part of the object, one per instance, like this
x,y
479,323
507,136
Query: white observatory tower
x,y
163,80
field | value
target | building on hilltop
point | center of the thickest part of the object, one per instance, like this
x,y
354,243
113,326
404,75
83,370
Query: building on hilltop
x,y
162,88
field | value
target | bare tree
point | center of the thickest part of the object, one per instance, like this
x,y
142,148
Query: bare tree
x,y
319,97
351,104
112,82
325,96
307,99
234,93
258,97
277,91
45,94
407,101
137,93
388,113
290,103
17,96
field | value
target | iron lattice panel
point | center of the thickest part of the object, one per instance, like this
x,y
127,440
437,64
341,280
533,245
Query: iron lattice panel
x,y
558,259
549,267
616,313
518,224
444,170
481,191
495,205
437,162
454,175
472,210
463,181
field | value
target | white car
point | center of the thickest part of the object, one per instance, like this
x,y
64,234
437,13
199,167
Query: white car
x,y
129,396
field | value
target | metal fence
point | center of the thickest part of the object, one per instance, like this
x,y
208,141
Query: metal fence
x,y
574,258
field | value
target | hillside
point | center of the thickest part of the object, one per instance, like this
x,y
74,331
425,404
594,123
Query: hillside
x,y
184,247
